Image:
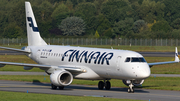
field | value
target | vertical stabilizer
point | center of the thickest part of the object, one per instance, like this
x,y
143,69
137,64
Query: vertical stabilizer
x,y
33,35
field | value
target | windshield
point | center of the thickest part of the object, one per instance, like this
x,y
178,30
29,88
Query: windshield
x,y
135,59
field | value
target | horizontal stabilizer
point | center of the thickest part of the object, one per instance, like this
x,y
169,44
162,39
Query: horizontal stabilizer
x,y
13,49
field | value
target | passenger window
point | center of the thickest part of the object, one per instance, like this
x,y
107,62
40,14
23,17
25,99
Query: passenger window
x,y
127,60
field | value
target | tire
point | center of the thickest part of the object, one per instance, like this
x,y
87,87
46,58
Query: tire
x,y
108,85
61,87
53,87
101,85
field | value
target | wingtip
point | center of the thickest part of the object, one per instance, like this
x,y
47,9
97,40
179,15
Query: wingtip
x,y
176,55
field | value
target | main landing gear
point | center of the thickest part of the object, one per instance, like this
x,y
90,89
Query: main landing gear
x,y
131,89
105,84
55,87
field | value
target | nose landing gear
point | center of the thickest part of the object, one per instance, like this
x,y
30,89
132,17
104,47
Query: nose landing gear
x,y
131,89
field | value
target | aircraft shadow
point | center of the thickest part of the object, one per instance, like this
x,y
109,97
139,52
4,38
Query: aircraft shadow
x,y
86,87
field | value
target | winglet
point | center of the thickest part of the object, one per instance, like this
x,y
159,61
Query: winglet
x,y
176,55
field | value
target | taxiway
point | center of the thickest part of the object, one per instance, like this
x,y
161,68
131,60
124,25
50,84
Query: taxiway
x,y
81,90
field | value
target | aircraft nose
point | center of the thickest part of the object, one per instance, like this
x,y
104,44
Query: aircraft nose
x,y
145,72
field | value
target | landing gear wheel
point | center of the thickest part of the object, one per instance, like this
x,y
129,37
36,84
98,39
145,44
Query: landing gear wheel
x,y
101,85
53,87
61,87
130,91
107,85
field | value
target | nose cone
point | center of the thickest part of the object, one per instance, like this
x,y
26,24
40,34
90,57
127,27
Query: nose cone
x,y
144,72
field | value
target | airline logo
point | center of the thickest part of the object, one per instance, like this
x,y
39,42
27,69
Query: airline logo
x,y
35,29
88,57
176,54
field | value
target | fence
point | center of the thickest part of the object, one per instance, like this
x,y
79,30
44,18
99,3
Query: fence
x,y
91,41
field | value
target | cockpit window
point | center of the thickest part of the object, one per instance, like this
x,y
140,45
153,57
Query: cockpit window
x,y
135,59
127,60
142,60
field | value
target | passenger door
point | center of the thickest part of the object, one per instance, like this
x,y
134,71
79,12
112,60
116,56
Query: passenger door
x,y
118,62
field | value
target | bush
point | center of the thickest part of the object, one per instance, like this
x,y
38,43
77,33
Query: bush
x,y
72,26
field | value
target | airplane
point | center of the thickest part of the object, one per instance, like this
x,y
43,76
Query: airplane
x,y
65,63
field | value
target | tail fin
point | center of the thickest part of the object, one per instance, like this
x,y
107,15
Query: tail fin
x,y
33,35
176,55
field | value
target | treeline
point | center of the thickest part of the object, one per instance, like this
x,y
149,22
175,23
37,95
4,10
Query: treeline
x,y
153,19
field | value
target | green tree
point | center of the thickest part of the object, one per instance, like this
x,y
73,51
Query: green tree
x,y
12,31
116,10
176,23
171,10
161,26
87,11
72,26
46,10
139,26
101,24
98,4
175,34
123,27
159,35
17,15
97,34
150,10
60,13
44,19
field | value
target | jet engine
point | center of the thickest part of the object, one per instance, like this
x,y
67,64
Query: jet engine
x,y
61,78
134,82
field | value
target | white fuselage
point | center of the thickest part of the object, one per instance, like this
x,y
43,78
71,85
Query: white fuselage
x,y
99,63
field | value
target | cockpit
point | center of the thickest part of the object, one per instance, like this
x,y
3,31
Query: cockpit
x,y
135,59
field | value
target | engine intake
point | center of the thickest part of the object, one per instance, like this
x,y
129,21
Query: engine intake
x,y
61,78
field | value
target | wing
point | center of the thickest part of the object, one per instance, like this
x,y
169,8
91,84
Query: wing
x,y
168,62
46,67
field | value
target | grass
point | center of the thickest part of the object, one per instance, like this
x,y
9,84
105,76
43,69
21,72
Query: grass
x,y
12,96
160,69
133,48
160,83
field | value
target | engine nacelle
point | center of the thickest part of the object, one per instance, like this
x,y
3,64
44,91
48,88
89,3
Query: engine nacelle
x,y
27,68
61,78
134,82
